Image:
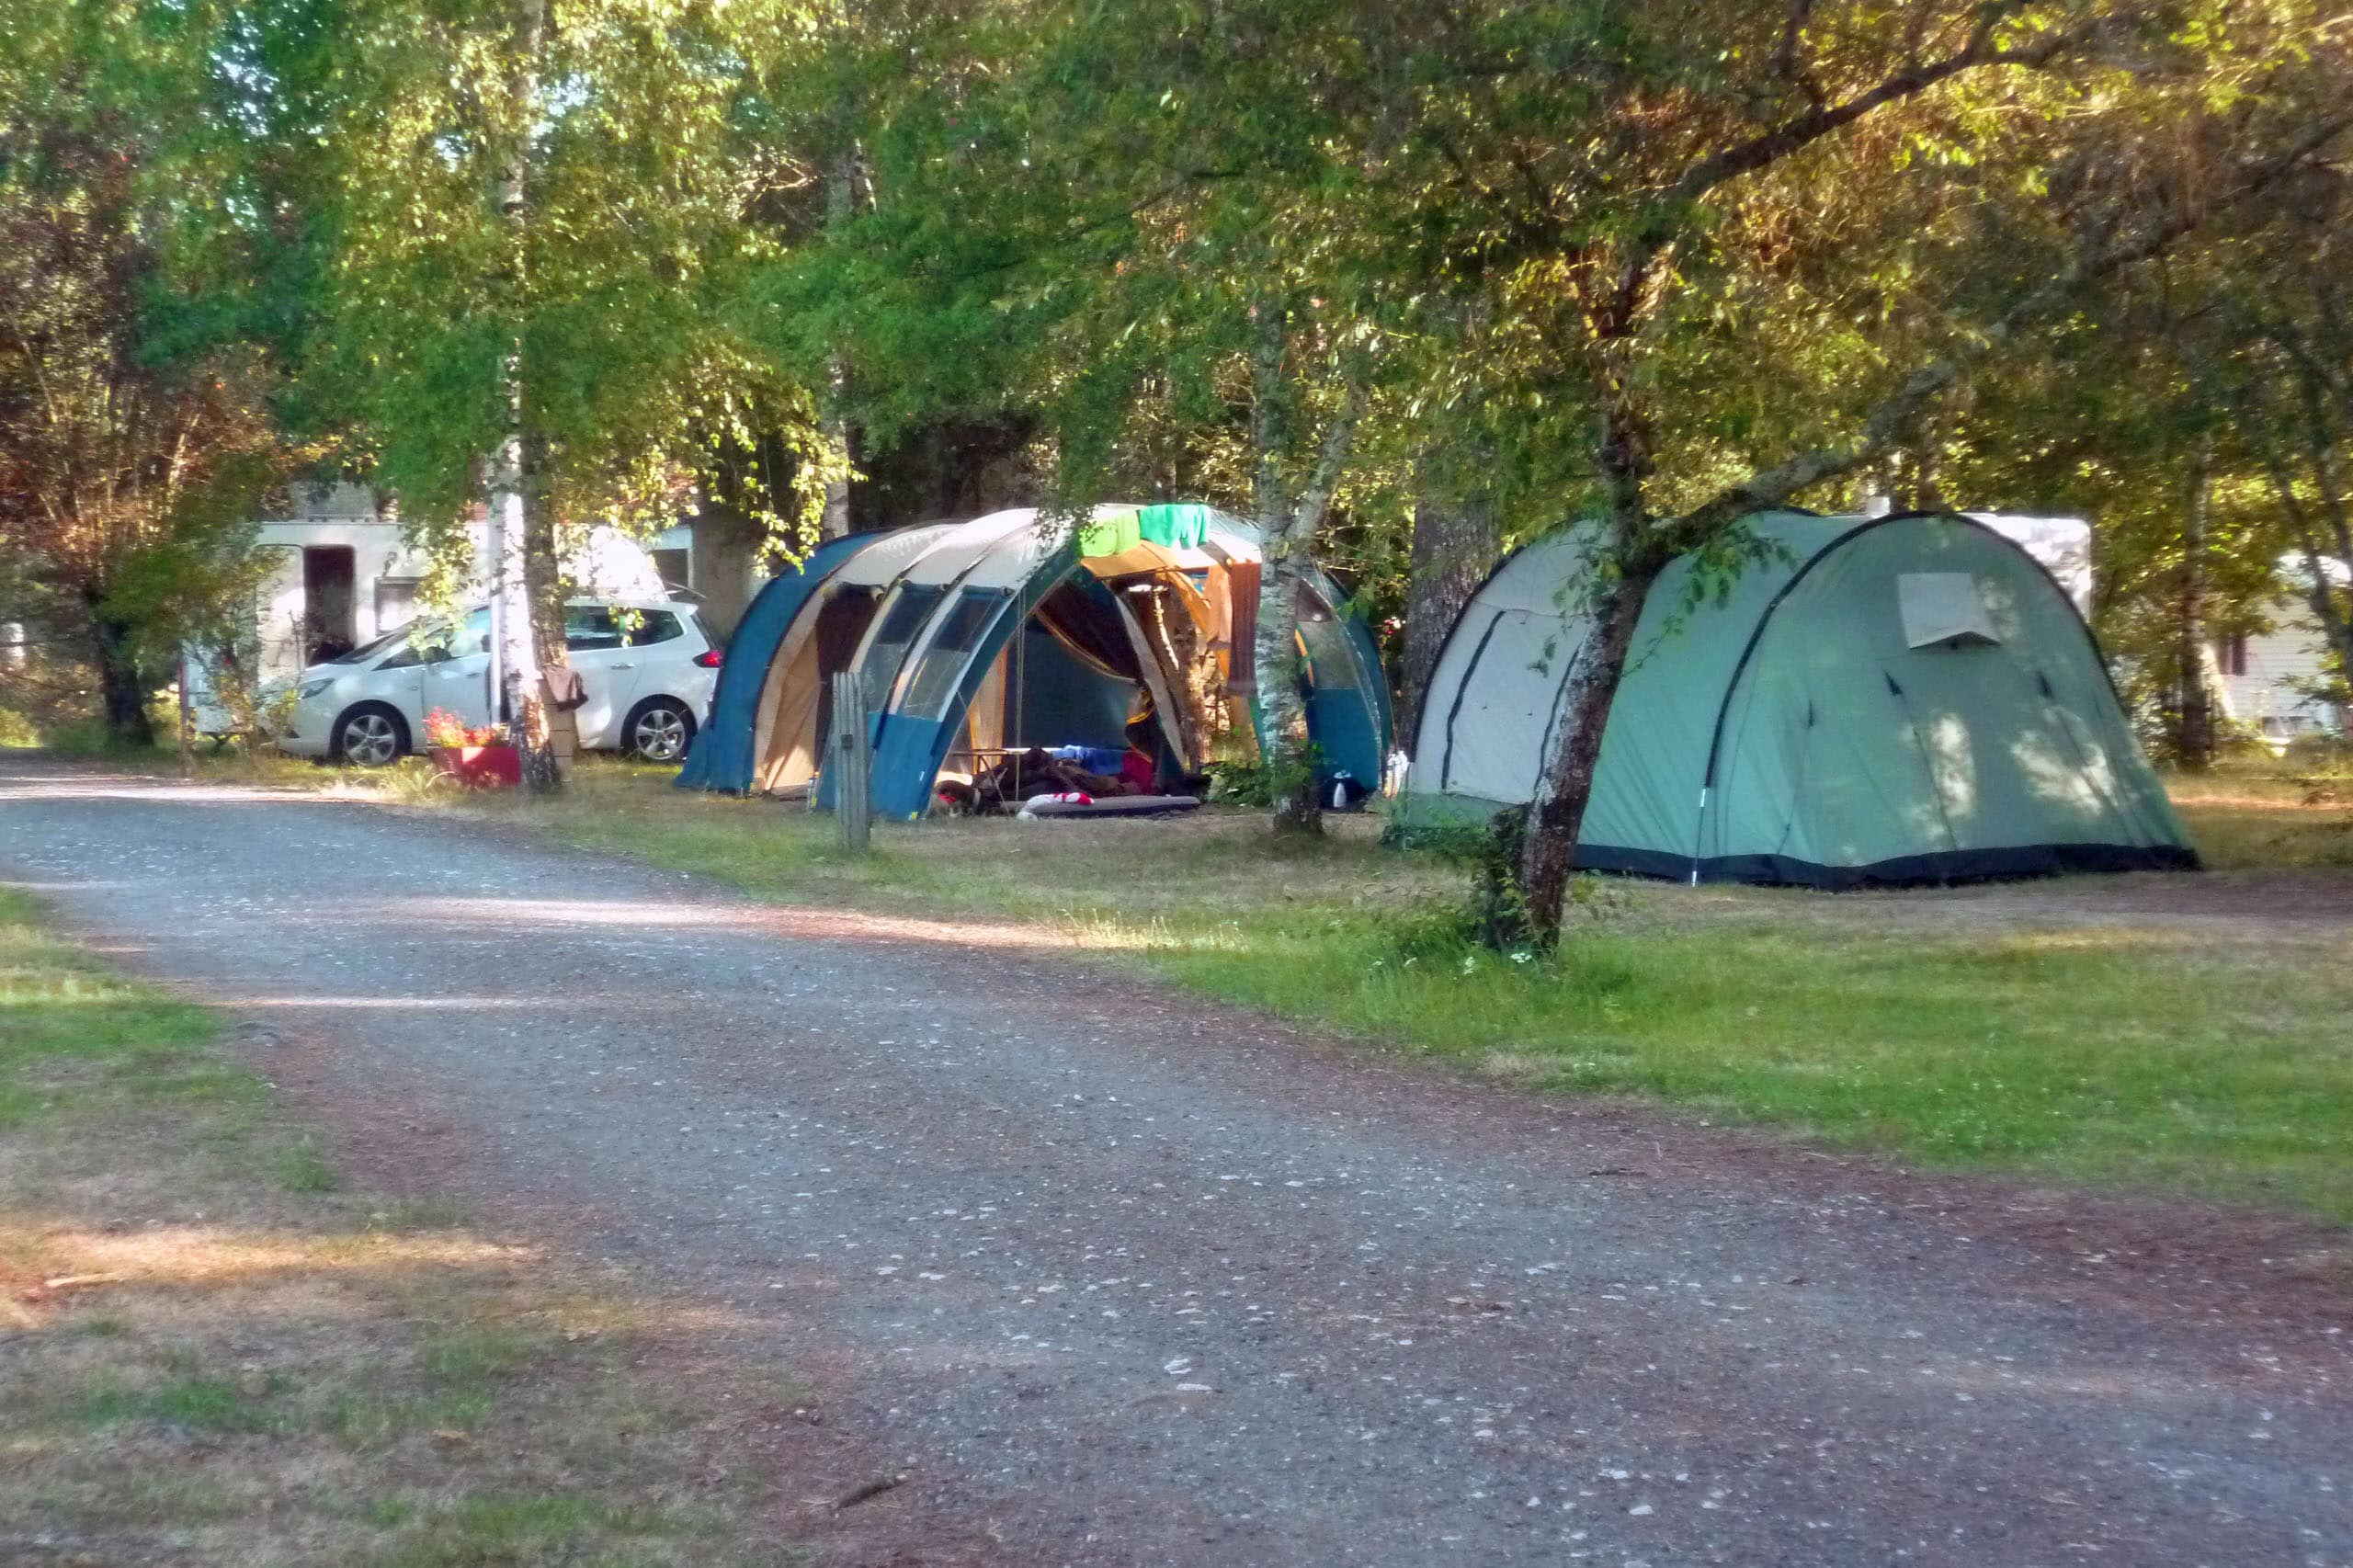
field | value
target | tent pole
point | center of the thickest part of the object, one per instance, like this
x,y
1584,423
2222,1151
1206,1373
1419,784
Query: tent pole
x,y
1698,832
1015,667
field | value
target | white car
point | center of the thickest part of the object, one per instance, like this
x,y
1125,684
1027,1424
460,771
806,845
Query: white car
x,y
649,669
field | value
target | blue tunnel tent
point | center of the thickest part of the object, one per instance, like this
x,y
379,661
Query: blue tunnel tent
x,y
980,640
799,630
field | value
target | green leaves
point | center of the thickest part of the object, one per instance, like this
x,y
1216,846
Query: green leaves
x,y
653,180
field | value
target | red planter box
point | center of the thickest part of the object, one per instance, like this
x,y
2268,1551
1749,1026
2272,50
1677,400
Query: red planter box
x,y
480,768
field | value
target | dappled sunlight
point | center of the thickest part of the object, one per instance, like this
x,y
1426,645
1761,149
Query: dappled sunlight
x,y
1955,766
13,1000
206,1255
132,787
508,913
1112,934
2083,781
2099,939
528,913
439,1002
2239,801
216,1351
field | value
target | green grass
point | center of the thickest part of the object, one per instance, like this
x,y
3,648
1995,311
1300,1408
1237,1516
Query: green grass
x,y
69,1027
2063,1056
484,1352
2247,816
300,1167
200,1405
2111,1048
546,1528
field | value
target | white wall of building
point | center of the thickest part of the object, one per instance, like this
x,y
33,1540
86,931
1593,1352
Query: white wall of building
x,y
2271,676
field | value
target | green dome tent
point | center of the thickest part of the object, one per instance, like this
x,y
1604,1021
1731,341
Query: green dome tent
x,y
1889,699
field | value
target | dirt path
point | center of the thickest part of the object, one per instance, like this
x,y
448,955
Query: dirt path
x,y
1118,1279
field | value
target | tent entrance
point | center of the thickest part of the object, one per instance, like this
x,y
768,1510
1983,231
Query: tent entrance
x,y
799,696
1080,679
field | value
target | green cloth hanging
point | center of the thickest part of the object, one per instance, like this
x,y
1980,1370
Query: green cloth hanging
x,y
1110,536
1177,526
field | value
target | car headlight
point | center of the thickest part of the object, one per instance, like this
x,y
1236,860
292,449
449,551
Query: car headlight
x,y
313,687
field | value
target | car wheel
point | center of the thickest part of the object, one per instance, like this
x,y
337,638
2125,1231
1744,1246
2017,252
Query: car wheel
x,y
370,737
659,730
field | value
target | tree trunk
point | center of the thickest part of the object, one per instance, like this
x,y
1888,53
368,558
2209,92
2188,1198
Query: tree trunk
x,y
1557,814
841,204
1287,527
834,522
120,687
726,546
518,661
524,583
1282,715
2194,712
2331,604
543,586
2329,607
1454,545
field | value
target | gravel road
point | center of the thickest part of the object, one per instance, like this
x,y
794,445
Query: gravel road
x,y
1122,1278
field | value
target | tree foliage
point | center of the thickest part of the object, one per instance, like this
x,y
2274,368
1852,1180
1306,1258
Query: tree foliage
x,y
135,444
1646,268
1662,266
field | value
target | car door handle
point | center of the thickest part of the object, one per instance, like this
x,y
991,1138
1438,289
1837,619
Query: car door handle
x,y
621,667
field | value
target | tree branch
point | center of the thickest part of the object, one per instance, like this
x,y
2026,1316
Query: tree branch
x,y
1886,423
1308,515
1770,147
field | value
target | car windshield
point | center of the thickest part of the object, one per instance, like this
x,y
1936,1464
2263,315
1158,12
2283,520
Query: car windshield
x,y
373,646
420,637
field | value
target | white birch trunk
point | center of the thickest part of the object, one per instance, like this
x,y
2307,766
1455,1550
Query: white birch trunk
x,y
513,536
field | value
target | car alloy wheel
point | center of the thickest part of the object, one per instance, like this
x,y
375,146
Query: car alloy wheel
x,y
659,734
370,740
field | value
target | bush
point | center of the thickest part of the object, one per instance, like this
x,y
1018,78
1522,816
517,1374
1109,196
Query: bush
x,y
1257,784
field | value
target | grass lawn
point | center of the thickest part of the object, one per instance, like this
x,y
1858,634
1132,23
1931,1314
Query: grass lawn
x,y
2249,816
2027,1027
210,1352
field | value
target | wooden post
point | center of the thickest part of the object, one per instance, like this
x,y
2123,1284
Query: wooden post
x,y
850,762
188,719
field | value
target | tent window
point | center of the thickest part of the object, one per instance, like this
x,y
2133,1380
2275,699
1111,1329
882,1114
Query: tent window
x,y
939,672
1331,662
906,616
1944,610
